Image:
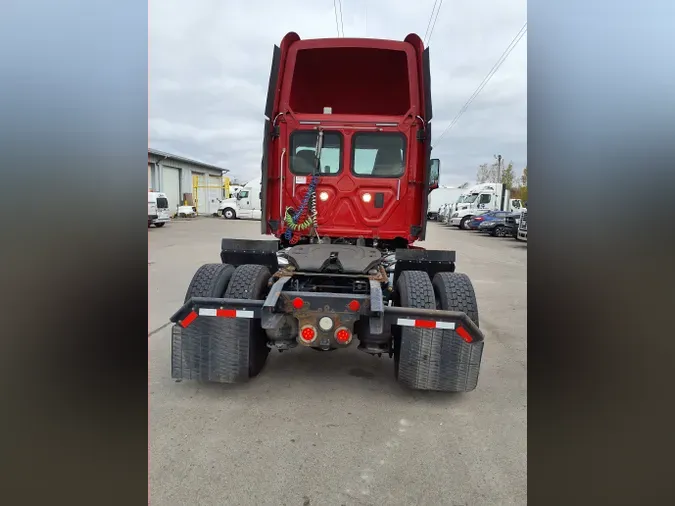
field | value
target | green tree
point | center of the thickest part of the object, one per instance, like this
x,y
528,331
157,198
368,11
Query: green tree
x,y
508,177
523,188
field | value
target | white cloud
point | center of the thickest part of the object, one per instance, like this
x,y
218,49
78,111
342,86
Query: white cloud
x,y
209,66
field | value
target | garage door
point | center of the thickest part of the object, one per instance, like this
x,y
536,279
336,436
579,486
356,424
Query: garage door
x,y
149,176
215,193
171,186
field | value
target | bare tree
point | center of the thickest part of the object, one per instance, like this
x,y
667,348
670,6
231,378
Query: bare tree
x,y
487,173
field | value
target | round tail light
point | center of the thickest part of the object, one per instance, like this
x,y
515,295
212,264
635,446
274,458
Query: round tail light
x,y
343,335
308,334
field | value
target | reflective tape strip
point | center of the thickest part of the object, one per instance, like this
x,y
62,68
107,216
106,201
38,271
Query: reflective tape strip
x,y
425,324
226,313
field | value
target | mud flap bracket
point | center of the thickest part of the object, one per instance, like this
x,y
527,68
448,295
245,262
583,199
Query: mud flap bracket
x,y
270,319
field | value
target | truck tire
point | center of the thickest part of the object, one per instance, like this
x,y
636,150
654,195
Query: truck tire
x,y
190,349
159,225
229,213
434,359
412,353
239,351
454,292
210,280
458,363
463,224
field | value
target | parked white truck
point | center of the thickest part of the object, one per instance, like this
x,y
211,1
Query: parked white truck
x,y
481,198
246,205
522,226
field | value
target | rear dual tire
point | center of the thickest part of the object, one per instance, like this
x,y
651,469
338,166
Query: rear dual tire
x,y
223,350
433,359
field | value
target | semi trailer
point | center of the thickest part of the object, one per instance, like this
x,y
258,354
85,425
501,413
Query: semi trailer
x,y
346,174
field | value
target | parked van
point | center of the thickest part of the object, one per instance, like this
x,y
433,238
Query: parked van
x,y
158,209
246,205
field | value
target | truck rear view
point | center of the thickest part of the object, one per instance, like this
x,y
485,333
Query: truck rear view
x,y
346,174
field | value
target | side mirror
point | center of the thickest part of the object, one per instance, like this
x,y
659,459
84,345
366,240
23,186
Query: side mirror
x,y
238,197
434,173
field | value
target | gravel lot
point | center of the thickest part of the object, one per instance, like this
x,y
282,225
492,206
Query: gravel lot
x,y
336,428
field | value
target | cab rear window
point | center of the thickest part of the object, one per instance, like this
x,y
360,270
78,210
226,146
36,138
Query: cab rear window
x,y
162,203
378,154
303,153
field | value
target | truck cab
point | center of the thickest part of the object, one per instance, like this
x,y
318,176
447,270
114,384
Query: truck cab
x,y
246,203
481,198
522,226
349,126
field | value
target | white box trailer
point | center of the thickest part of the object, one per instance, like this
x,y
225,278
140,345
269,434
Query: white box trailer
x,y
438,197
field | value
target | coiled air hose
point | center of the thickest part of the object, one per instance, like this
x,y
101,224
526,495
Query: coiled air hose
x,y
292,220
293,224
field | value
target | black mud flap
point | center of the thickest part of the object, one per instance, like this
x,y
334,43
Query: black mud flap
x,y
445,348
194,323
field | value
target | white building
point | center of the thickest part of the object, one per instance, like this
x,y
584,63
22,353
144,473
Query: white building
x,y
181,178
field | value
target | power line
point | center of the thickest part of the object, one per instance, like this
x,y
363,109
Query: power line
x,y
365,6
342,24
434,25
486,79
337,24
429,23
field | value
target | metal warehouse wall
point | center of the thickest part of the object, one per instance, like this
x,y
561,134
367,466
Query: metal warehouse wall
x,y
186,170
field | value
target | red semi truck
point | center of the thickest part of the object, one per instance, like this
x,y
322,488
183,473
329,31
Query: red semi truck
x,y
346,174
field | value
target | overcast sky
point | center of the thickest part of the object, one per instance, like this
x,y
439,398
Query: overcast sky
x,y
210,60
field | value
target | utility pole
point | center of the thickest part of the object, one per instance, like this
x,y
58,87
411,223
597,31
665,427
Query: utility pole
x,y
499,168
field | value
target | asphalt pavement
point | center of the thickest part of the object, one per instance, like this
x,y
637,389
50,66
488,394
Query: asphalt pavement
x,y
336,428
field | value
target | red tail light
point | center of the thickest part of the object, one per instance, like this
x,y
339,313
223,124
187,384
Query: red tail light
x,y
479,219
308,333
354,305
298,303
343,335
